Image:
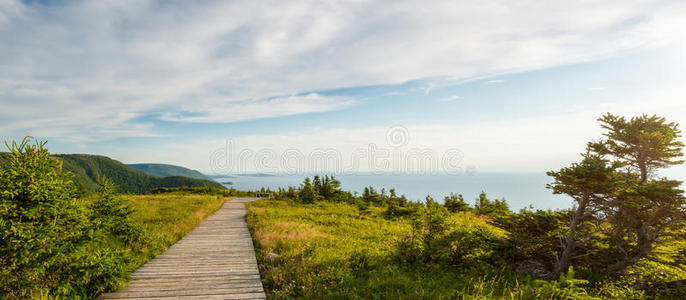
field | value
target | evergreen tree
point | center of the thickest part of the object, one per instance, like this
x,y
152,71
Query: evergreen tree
x,y
455,203
615,185
371,196
317,184
112,215
485,206
587,183
45,231
307,192
647,210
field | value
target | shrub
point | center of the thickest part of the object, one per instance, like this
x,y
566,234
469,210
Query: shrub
x,y
47,234
470,246
201,190
567,287
436,238
97,271
362,206
533,239
394,210
112,216
41,222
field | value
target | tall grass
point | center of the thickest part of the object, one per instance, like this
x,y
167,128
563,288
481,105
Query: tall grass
x,y
328,250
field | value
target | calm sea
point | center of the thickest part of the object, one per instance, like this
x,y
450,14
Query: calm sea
x,y
519,189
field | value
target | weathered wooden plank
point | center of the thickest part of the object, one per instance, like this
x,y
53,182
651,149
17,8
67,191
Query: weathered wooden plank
x,y
216,260
165,286
198,269
192,280
208,296
187,292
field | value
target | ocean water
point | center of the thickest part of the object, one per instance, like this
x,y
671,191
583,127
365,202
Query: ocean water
x,y
519,189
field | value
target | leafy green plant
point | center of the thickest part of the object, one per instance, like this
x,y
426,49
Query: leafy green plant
x,y
435,238
567,287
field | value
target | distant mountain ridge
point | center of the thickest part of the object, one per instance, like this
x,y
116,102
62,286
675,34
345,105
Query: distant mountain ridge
x,y
165,170
88,168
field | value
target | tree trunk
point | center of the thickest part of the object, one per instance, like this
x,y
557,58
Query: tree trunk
x,y
643,168
570,240
644,249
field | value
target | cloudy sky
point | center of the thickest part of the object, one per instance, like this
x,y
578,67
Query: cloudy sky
x,y
512,87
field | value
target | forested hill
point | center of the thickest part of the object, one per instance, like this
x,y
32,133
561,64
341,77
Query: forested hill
x,y
164,170
88,168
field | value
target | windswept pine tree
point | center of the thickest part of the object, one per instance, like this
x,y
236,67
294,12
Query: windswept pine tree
x,y
620,199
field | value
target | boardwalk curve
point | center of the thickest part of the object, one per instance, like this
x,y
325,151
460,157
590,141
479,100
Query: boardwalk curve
x,y
216,260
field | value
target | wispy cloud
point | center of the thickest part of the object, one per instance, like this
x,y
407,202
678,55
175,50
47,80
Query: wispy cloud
x,y
494,81
394,93
430,86
257,109
451,98
90,63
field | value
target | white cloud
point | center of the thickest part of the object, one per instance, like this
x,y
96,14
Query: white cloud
x,y
430,86
449,99
495,81
394,93
219,112
86,64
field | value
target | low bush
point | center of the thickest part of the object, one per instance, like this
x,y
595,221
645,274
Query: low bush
x,y
204,190
440,237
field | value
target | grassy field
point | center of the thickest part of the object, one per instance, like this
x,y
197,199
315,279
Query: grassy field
x,y
330,250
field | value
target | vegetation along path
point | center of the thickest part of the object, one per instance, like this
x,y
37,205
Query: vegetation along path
x,y
214,261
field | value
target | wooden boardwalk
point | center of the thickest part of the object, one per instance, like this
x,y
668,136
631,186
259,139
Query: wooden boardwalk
x,y
214,261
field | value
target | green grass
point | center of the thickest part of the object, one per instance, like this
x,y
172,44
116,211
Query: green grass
x,y
329,250
332,250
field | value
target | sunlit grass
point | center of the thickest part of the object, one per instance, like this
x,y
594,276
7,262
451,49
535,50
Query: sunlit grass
x,y
330,250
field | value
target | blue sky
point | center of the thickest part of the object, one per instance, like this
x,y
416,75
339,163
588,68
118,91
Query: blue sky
x,y
511,87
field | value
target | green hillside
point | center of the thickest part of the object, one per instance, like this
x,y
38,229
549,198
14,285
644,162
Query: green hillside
x,y
164,170
88,168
